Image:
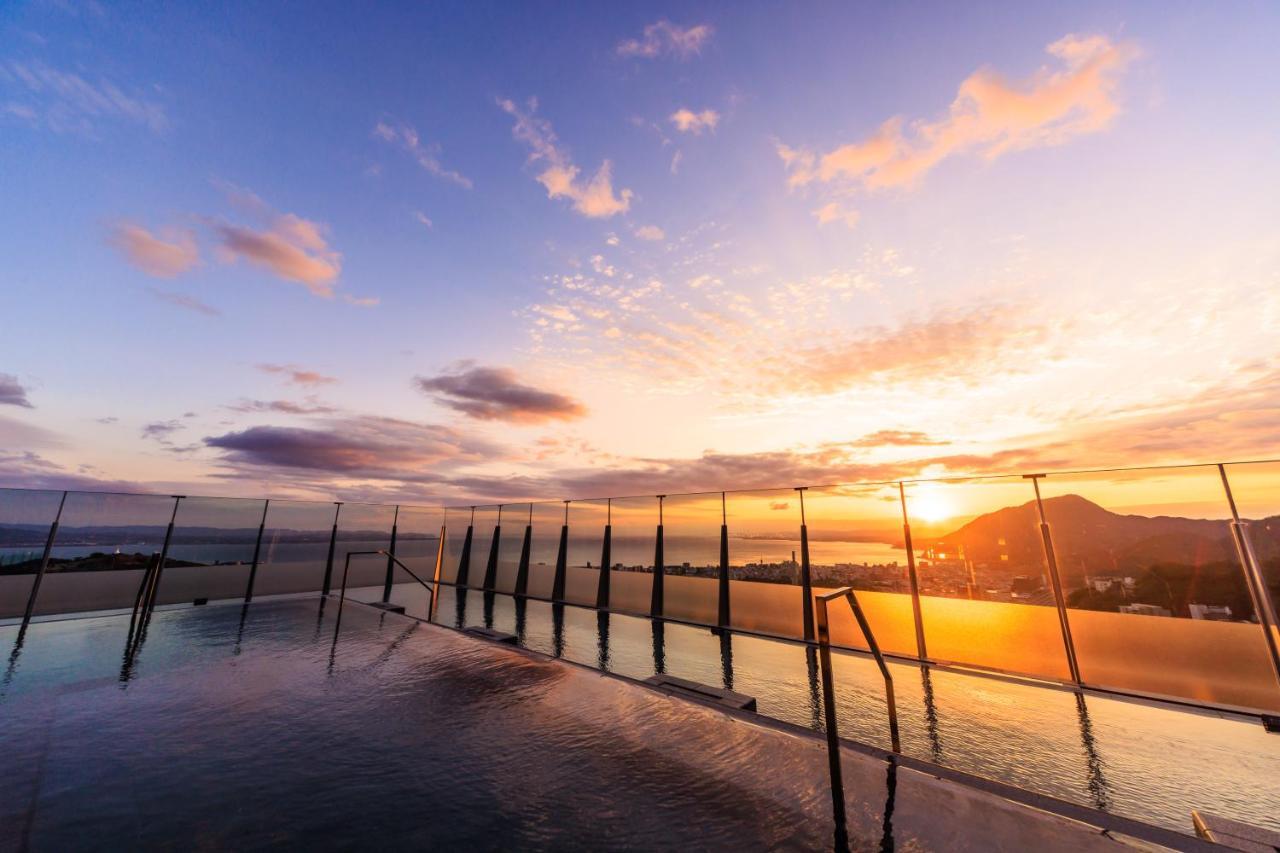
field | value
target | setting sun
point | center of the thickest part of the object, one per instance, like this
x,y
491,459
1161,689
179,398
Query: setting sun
x,y
927,502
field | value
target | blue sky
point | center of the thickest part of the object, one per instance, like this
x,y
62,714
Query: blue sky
x,y
982,238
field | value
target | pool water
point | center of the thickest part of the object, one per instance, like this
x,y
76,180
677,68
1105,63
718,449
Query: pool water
x,y
1139,759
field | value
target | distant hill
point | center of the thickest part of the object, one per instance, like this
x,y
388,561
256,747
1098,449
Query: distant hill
x,y
1089,539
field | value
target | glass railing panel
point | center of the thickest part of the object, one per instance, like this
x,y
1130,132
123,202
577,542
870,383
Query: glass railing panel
x,y
515,518
548,519
986,599
295,547
1158,601
212,549
586,536
362,527
691,554
764,568
486,521
417,538
1256,489
25,518
856,540
104,544
635,526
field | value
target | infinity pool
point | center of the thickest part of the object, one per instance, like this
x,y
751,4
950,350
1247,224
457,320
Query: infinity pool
x,y
252,728
1143,760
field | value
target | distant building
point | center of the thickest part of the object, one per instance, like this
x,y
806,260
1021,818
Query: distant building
x,y
1144,610
1211,612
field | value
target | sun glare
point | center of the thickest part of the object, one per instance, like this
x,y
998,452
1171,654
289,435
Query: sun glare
x,y
927,502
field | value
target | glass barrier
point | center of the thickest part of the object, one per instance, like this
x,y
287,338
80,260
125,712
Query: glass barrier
x,y
481,541
211,550
105,542
1157,596
986,599
691,554
362,527
1256,489
544,547
586,537
515,518
635,525
295,547
764,568
856,540
25,519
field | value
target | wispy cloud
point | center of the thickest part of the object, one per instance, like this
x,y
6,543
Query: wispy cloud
x,y
424,219
665,38
296,375
12,392
687,121
182,300
167,254
291,248
650,232
427,156
990,116
68,102
834,211
286,407
596,198
495,394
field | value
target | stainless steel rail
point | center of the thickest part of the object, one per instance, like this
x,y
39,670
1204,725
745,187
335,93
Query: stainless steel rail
x,y
391,558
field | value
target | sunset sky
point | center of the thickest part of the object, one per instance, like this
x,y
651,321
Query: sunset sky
x,y
487,251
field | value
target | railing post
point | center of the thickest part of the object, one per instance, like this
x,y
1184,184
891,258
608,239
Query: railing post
x,y
257,553
464,561
606,560
806,578
391,552
436,572
722,612
491,568
333,547
44,565
522,570
164,555
1254,579
657,602
1051,561
833,734
562,559
921,651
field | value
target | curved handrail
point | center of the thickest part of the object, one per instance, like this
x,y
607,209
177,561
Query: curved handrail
x,y
342,597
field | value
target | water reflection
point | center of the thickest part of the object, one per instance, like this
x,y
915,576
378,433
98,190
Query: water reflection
x,y
726,658
815,691
488,609
557,630
521,604
602,641
891,785
1096,781
930,714
460,597
659,646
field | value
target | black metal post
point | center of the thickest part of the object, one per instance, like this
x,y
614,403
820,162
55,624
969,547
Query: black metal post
x,y
806,577
464,561
333,547
391,562
606,560
257,552
522,570
164,555
833,733
1051,561
491,568
921,650
1255,580
44,565
722,613
562,560
657,602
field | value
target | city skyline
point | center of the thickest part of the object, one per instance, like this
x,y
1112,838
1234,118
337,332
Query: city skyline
x,y
403,257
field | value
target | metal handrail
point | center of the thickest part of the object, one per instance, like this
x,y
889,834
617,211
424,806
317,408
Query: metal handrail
x,y
829,699
342,597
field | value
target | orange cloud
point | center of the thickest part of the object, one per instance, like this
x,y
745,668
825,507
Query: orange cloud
x,y
170,254
665,37
595,198
990,116
687,121
293,248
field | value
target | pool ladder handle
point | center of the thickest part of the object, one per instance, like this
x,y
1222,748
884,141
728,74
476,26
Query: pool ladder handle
x,y
427,585
829,700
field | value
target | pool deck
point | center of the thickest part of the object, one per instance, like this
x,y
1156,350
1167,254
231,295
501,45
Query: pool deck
x,y
578,759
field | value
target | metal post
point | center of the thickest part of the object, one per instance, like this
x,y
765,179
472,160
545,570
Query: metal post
x,y
921,651
657,602
522,570
435,576
1254,579
464,561
562,560
722,612
333,546
833,734
257,552
606,559
164,555
44,565
1051,561
391,563
491,568
806,578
